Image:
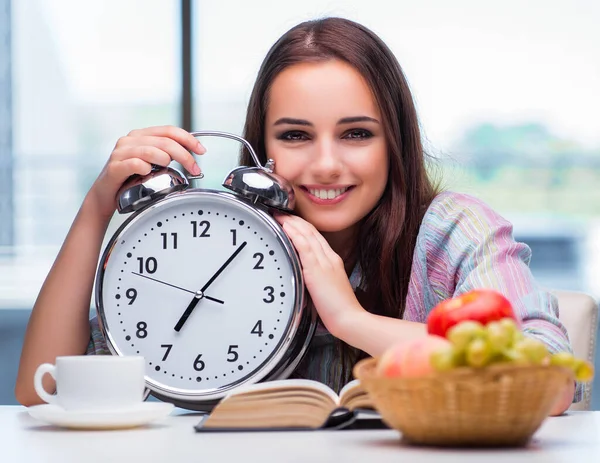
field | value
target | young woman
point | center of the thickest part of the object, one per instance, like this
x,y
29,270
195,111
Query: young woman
x,y
379,244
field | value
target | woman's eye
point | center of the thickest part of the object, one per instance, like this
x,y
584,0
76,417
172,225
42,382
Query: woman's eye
x,y
358,134
292,136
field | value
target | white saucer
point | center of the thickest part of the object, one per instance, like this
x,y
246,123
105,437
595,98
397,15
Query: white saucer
x,y
129,417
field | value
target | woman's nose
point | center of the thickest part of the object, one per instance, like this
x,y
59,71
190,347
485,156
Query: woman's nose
x,y
327,161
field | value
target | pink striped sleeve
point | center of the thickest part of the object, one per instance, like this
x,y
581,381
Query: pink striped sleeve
x,y
467,246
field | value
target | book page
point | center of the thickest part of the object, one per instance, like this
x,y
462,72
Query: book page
x,y
288,384
351,385
278,398
353,396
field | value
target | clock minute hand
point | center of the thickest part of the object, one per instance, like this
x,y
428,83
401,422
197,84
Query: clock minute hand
x,y
224,266
214,299
200,294
163,282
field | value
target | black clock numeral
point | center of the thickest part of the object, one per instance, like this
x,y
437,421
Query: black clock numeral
x,y
165,241
131,294
233,232
260,258
257,329
149,265
270,294
199,364
168,347
232,352
197,226
142,330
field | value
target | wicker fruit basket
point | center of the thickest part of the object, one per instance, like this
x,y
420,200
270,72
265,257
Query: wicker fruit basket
x,y
499,405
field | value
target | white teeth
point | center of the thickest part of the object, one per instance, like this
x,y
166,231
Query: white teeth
x,y
327,194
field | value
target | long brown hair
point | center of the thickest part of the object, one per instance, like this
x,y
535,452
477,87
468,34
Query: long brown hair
x,y
387,235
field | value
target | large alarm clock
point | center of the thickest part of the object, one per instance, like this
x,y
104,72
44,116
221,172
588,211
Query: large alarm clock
x,y
204,284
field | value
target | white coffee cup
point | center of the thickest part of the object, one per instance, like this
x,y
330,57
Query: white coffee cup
x,y
93,382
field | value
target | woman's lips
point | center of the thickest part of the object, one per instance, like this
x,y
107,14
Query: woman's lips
x,y
326,202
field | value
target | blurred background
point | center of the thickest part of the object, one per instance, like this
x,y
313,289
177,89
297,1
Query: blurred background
x,y
507,92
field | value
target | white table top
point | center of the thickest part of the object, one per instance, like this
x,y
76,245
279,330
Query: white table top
x,y
571,438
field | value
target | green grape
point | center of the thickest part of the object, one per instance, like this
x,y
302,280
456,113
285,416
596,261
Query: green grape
x,y
533,349
511,327
563,359
461,334
584,371
444,359
500,336
508,324
478,353
459,357
517,336
512,355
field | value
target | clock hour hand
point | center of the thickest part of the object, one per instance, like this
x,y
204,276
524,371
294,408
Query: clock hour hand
x,y
188,311
200,294
178,287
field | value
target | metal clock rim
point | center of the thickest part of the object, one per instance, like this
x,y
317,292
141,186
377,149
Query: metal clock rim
x,y
284,344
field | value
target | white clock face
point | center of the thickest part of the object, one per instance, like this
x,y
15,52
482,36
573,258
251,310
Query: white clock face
x,y
202,288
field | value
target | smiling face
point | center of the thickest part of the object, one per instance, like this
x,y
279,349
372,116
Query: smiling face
x,y
324,130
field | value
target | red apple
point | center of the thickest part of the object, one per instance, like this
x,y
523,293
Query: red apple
x,y
481,305
409,359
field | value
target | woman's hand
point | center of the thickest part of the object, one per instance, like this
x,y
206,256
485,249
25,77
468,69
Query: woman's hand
x,y
324,274
135,154
564,401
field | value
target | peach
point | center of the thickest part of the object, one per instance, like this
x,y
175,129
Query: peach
x,y
411,358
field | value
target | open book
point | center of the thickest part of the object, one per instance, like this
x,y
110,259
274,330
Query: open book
x,y
287,404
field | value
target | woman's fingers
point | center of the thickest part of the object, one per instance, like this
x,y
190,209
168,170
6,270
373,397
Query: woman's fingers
x,y
119,171
148,153
169,146
181,136
309,230
307,254
136,152
170,139
311,245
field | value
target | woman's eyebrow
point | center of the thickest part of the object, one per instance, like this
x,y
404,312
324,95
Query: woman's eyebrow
x,y
292,121
354,119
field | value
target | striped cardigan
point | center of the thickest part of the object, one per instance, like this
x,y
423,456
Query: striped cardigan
x,y
462,245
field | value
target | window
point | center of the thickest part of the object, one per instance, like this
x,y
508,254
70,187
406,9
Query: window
x,y
83,74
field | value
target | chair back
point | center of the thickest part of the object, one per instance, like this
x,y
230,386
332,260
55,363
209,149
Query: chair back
x,y
578,312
